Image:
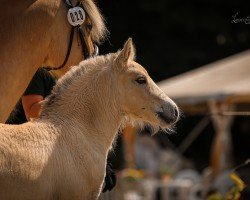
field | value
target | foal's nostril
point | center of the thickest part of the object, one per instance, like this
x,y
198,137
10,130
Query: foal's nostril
x,y
169,114
176,112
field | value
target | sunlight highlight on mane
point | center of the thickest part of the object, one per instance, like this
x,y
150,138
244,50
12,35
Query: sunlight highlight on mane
x,y
99,30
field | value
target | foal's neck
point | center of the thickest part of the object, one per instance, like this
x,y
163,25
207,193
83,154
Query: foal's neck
x,y
94,114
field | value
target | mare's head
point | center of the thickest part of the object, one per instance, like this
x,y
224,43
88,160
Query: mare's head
x,y
94,33
140,98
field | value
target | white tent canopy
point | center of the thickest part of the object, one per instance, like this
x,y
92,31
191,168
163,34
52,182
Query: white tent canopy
x,y
227,78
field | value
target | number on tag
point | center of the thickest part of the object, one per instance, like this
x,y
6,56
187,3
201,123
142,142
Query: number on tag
x,y
76,16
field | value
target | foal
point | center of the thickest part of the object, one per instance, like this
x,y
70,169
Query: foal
x,y
62,154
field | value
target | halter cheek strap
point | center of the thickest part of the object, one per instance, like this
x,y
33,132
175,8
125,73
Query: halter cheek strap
x,y
76,24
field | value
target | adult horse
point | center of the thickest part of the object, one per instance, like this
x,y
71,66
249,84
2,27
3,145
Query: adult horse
x,y
36,33
62,155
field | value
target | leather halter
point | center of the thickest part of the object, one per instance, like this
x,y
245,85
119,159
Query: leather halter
x,y
85,52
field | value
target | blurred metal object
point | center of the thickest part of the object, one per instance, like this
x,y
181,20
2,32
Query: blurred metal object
x,y
185,186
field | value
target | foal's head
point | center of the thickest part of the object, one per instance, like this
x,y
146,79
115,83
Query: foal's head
x,y
140,98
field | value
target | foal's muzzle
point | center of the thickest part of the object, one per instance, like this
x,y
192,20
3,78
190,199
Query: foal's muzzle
x,y
169,113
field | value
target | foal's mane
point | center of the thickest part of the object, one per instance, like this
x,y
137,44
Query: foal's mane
x,y
92,66
99,30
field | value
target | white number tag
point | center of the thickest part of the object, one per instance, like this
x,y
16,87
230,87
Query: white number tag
x,y
76,16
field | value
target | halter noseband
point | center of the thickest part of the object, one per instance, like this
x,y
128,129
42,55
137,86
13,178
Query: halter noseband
x,y
80,31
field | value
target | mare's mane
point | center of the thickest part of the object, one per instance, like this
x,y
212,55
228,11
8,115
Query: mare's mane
x,y
99,30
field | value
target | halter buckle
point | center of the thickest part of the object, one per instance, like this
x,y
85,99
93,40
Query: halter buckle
x,y
76,16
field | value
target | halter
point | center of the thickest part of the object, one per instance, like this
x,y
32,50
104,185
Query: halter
x,y
76,22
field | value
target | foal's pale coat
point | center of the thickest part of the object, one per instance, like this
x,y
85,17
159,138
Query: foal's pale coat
x,y
62,155
35,33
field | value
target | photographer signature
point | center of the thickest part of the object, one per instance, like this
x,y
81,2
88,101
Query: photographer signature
x,y
237,20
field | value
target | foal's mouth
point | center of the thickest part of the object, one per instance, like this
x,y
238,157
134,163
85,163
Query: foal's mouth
x,y
165,118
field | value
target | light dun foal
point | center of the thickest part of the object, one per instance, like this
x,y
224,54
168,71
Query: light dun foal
x,y
62,155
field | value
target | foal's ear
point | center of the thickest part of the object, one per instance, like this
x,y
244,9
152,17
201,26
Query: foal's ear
x,y
127,53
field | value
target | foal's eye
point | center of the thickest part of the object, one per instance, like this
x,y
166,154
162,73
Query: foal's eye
x,y
141,80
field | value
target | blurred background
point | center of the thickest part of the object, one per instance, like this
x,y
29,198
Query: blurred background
x,y
213,136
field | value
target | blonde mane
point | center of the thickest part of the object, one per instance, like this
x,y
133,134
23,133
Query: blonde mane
x,y
93,65
99,30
